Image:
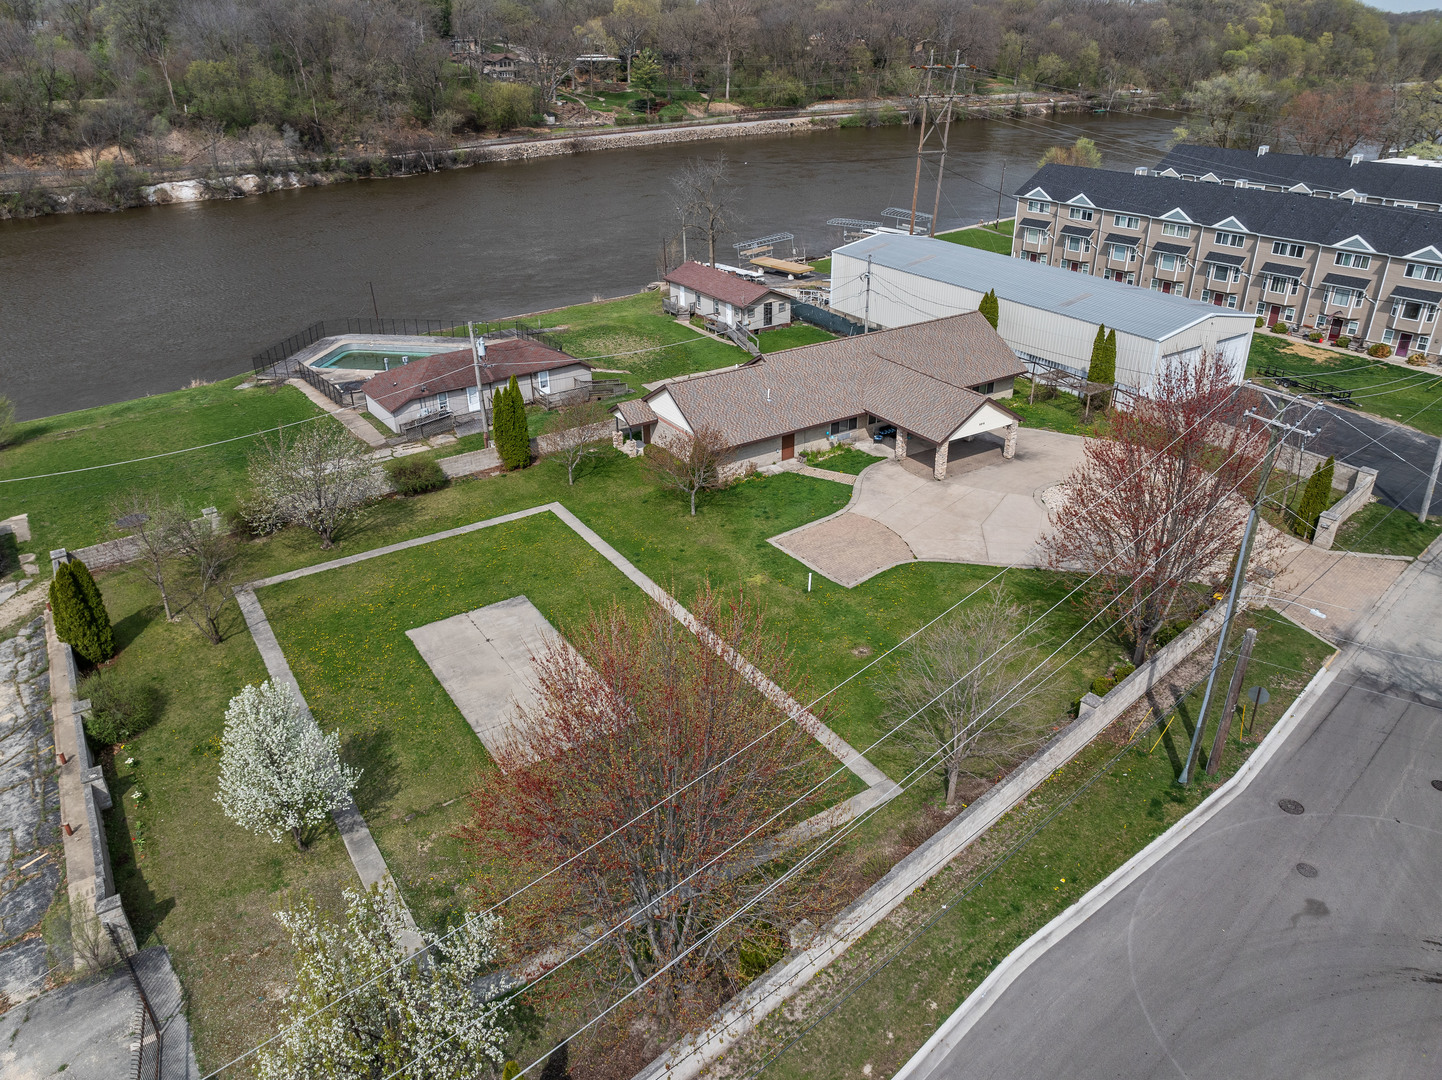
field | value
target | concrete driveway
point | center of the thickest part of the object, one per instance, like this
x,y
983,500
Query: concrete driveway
x,y
988,510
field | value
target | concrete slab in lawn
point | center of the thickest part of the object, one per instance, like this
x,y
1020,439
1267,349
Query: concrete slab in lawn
x,y
484,659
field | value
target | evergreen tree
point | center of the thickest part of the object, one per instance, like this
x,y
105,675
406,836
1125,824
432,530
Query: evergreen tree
x,y
513,441
1099,356
1314,500
1111,366
990,308
81,620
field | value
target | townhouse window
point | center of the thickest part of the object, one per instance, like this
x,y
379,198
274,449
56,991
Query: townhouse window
x,y
1423,342
1231,239
1206,296
1079,213
1352,259
1321,323
1225,273
1289,314
1232,301
1156,284
1126,221
1352,328
1122,252
1036,206
1171,228
1261,307
1292,251
1166,261
1078,243
1388,336
1423,271
1032,236
1276,283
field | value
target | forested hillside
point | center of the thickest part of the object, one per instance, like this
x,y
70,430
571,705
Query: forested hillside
x,y
83,80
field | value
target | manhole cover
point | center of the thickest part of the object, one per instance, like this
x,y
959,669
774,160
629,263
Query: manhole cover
x,y
130,521
1437,784
1306,869
1290,806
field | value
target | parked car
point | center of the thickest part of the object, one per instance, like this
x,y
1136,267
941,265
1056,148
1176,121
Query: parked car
x,y
882,432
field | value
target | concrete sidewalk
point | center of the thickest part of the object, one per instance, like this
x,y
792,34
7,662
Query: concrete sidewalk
x,y
355,423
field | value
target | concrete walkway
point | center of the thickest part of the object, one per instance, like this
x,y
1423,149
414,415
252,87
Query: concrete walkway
x,y
354,422
369,863
1341,586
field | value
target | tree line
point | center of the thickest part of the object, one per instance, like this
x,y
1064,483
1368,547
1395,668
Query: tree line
x,y
320,76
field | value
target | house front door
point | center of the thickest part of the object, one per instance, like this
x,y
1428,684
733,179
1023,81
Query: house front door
x,y
1274,315
1335,331
1404,344
1217,299
788,446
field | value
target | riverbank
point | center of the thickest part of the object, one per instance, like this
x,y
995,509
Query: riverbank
x,y
116,187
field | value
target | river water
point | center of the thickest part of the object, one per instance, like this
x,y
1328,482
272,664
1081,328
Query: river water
x,y
103,308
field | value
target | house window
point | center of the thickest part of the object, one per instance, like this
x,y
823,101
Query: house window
x,y
1122,252
1078,243
1413,310
1321,323
985,388
1226,273
1292,251
1166,261
443,401
1206,296
1079,213
1426,273
1031,236
543,381
1261,307
1171,228
1276,283
1232,301
1352,259
1289,314
839,427
1388,336
473,399
1036,206
1352,328
1423,342
1230,239
1126,221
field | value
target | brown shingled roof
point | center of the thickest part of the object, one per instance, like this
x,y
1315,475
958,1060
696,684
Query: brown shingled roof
x,y
709,281
449,371
917,377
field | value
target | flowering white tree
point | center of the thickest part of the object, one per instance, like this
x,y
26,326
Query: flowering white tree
x,y
278,773
320,478
377,1010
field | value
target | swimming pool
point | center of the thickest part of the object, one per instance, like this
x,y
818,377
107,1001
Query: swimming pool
x,y
360,358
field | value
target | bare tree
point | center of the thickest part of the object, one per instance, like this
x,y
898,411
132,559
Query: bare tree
x,y
706,198
967,682
571,434
321,479
732,21
1157,505
690,464
204,555
548,45
151,522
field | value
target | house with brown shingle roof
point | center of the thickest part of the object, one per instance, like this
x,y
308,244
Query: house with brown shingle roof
x,y
934,382
445,384
732,299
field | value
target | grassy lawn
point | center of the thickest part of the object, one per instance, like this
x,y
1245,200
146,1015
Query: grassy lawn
x,y
822,266
844,459
989,238
1010,885
1385,530
344,634
1387,390
792,337
1058,412
73,511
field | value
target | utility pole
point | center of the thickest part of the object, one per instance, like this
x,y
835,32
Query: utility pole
x,y
866,316
1224,725
921,143
1431,484
933,121
1000,190
945,136
1277,432
478,350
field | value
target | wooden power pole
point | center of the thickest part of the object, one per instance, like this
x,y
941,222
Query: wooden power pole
x,y
1234,691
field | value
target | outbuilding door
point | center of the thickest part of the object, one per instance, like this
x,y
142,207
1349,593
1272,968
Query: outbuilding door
x,y
788,446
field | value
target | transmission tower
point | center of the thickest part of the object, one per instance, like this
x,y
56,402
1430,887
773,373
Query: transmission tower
x,y
936,110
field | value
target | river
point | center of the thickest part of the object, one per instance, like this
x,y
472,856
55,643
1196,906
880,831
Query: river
x,y
102,308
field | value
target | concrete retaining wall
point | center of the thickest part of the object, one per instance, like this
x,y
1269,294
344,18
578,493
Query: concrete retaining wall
x,y
688,1058
1363,480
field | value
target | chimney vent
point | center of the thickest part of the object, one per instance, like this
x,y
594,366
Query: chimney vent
x,y
1356,159
768,395
1262,150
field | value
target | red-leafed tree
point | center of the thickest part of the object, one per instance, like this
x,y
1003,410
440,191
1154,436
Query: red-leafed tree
x,y
1159,502
639,710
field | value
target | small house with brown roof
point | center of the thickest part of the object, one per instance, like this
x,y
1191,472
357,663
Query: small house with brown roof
x,y
934,382
443,385
732,299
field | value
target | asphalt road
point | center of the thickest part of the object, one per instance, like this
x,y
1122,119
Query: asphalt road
x,y
1231,958
1401,455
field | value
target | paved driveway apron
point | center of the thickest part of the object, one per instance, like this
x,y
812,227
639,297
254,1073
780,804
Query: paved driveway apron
x,y
988,510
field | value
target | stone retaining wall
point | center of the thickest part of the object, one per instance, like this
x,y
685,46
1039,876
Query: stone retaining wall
x,y
1363,480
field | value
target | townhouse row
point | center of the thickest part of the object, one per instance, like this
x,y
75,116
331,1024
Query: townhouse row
x,y
1352,270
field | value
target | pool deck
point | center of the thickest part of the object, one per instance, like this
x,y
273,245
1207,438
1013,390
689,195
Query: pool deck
x,y
422,344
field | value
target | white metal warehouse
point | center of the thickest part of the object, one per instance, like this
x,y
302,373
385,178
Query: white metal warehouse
x,y
1046,314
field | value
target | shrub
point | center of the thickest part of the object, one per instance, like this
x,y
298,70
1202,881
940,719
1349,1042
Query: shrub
x,y
1343,342
1417,360
1279,328
81,620
1101,684
121,706
1380,351
672,113
1261,322
415,475
1169,632
1315,335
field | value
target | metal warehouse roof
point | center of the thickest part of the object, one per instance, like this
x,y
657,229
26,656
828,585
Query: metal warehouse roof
x,y
1146,314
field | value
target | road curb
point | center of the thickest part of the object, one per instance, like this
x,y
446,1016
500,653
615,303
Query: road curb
x,y
935,1050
